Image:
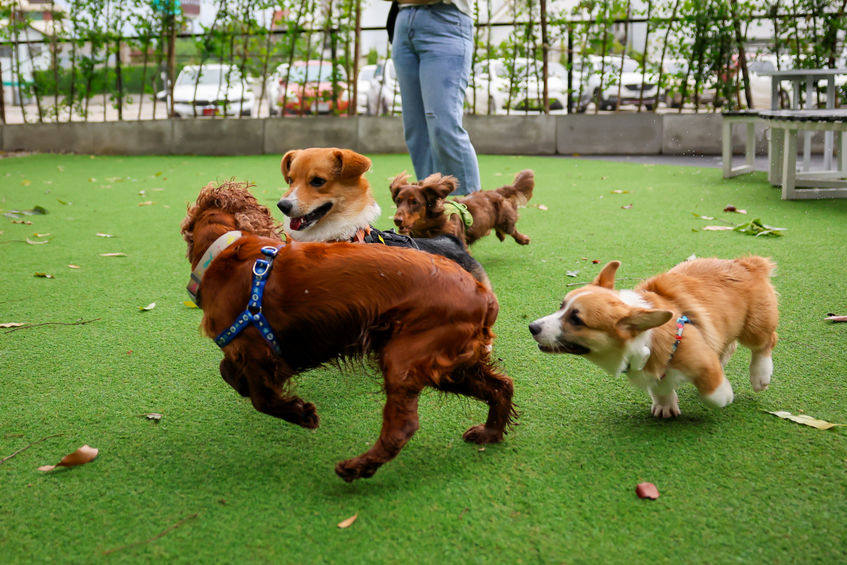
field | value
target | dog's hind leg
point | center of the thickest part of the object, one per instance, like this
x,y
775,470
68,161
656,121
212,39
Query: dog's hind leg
x,y
399,424
483,382
265,378
761,365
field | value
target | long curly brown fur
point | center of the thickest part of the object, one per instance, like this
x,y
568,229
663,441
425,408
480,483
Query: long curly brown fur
x,y
233,197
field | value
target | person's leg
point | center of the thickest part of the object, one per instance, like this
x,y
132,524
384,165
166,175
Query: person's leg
x,y
444,44
406,63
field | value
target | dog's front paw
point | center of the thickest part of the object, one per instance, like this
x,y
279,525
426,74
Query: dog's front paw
x,y
480,434
665,406
355,468
521,239
309,417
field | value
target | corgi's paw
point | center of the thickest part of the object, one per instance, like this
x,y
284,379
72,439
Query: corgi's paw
x,y
665,406
761,369
721,396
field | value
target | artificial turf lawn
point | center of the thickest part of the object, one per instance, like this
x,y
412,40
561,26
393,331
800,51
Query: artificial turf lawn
x,y
225,483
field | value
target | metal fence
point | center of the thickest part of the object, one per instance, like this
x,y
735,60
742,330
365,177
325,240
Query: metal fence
x,y
297,58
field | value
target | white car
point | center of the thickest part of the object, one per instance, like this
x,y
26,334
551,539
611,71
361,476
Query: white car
x,y
384,94
220,90
628,83
493,79
363,88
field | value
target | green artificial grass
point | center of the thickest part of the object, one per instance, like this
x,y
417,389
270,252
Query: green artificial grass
x,y
217,482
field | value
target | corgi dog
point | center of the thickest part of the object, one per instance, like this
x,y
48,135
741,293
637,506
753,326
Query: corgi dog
x,y
679,326
328,197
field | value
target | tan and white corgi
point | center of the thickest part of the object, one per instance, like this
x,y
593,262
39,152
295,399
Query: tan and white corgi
x,y
679,326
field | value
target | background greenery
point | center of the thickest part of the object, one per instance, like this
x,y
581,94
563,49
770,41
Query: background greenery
x,y
224,483
710,39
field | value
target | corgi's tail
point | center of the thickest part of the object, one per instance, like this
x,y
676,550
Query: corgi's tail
x,y
520,191
757,264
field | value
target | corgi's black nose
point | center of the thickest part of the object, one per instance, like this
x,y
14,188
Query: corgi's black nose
x,y
535,328
284,206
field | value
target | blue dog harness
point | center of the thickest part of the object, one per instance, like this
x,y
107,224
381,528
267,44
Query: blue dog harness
x,y
253,315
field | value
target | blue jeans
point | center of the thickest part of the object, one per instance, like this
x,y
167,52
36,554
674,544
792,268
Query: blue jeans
x,y
432,52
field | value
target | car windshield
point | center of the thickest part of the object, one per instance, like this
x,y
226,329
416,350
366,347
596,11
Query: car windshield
x,y
316,73
208,75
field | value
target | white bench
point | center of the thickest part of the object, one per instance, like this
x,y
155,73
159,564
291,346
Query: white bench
x,y
747,118
785,124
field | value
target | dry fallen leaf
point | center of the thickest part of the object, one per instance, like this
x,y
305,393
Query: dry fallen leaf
x,y
647,490
542,207
28,240
73,266
189,304
113,255
626,206
731,208
349,521
153,416
11,325
146,203
99,234
43,275
718,228
805,419
84,454
148,307
620,191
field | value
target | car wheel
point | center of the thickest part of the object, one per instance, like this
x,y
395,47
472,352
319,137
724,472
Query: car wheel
x,y
649,107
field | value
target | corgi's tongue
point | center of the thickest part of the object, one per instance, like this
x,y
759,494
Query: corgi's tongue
x,y
296,223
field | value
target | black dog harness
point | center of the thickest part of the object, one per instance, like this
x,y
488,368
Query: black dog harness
x,y
253,315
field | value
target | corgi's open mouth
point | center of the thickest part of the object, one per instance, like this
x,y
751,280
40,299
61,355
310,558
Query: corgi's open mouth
x,y
303,222
564,347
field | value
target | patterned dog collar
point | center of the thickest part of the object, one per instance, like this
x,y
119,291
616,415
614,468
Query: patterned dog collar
x,y
213,251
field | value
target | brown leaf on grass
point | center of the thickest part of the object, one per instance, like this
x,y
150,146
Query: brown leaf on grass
x,y
835,318
626,206
804,419
31,242
153,416
100,234
349,521
43,275
73,266
113,254
647,490
620,191
11,325
81,456
146,203
718,228
731,208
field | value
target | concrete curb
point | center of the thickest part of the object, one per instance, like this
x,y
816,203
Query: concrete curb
x,y
605,134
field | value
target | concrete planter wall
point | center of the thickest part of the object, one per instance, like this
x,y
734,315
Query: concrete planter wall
x,y
623,133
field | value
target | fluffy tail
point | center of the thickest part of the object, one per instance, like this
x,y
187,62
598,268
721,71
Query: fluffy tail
x,y
757,264
520,191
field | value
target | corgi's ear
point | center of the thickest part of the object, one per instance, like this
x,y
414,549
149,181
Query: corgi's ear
x,y
285,164
350,164
641,319
399,182
606,278
437,186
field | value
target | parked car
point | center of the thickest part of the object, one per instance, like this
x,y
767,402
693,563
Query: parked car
x,y
675,70
310,87
363,87
492,81
210,90
624,76
384,94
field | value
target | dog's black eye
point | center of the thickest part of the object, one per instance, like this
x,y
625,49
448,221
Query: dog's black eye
x,y
317,182
574,319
